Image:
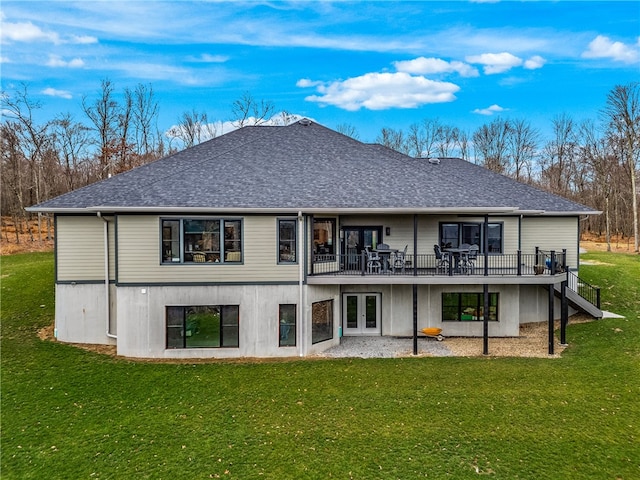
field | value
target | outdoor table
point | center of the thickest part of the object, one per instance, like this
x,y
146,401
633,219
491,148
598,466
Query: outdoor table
x,y
456,253
385,255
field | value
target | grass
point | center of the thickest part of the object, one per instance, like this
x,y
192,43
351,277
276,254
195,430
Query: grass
x,y
69,413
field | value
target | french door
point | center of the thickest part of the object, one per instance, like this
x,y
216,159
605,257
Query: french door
x,y
361,314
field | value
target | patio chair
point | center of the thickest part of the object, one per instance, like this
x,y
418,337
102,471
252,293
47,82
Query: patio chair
x,y
373,261
400,260
469,259
442,260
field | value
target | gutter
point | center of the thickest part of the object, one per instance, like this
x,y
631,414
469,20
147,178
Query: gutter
x,y
299,332
106,277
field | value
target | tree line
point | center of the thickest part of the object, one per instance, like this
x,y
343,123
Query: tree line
x,y
594,162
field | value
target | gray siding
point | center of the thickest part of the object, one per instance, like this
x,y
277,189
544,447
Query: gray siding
x,y
80,249
551,233
139,255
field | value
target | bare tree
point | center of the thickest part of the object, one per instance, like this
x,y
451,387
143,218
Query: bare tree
x,y
192,128
32,141
145,115
448,141
490,144
71,142
348,130
393,139
558,167
522,146
104,115
248,111
432,136
622,115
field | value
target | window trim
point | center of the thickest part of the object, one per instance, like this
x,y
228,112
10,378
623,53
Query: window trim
x,y
181,241
281,324
460,226
279,261
330,307
479,304
184,329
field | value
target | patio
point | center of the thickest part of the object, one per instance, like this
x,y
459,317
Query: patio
x,y
532,343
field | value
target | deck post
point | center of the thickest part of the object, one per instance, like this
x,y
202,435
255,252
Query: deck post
x,y
485,245
415,286
415,245
551,314
485,320
552,267
415,319
564,319
519,263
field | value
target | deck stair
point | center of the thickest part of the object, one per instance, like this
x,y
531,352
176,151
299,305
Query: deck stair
x,y
581,295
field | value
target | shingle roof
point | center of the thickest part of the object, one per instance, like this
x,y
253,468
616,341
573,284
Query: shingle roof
x,y
306,167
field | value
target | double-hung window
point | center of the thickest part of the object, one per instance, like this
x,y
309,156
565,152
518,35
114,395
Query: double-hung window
x,y
453,235
287,234
201,240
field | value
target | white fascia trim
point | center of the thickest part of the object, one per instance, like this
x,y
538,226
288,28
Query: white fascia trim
x,y
314,211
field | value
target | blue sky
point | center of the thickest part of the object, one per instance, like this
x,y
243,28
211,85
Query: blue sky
x,y
367,64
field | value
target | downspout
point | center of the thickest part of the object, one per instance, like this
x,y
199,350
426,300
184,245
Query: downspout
x,y
106,277
301,256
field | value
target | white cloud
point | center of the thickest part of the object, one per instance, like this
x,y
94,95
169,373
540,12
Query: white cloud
x,y
52,92
83,39
495,62
534,62
490,110
382,91
57,61
208,58
426,66
306,82
26,32
604,47
4,59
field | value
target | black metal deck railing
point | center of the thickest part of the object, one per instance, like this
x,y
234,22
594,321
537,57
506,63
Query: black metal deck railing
x,y
590,293
515,264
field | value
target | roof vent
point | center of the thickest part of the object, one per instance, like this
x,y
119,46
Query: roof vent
x,y
305,122
434,161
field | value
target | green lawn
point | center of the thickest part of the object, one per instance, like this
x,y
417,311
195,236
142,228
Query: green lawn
x,y
72,414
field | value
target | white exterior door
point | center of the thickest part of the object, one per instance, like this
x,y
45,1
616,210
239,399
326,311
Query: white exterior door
x,y
361,314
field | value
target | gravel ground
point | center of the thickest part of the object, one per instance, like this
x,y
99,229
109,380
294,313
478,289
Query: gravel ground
x,y
532,342
386,347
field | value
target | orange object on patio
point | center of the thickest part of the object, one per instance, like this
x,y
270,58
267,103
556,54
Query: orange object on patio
x,y
433,332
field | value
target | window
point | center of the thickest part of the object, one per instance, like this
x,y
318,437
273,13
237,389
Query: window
x,y
468,307
210,326
322,321
287,241
193,240
452,235
287,325
324,236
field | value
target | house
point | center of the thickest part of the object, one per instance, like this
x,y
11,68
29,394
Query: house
x,y
276,241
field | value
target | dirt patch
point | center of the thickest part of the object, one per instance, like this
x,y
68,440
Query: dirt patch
x,y
27,239
597,243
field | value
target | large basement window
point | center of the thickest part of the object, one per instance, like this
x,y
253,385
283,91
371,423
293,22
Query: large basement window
x,y
210,326
201,240
468,307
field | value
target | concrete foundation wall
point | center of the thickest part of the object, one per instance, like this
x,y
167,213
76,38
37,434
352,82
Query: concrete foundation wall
x,y
81,314
397,309
142,319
